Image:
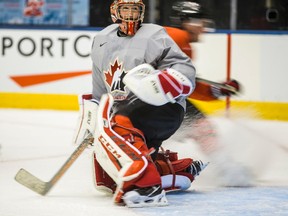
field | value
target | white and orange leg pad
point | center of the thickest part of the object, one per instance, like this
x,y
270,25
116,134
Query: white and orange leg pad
x,y
87,117
119,158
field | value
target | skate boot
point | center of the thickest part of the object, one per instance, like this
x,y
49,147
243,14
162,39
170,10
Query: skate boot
x,y
143,197
196,167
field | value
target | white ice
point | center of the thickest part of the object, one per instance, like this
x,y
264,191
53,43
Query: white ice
x,y
41,141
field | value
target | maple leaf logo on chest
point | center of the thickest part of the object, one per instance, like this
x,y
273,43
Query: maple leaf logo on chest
x,y
114,77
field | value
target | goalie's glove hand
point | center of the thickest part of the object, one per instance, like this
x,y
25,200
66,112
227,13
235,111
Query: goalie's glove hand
x,y
157,87
229,88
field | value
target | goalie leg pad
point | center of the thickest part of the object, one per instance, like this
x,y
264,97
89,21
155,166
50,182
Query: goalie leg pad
x,y
119,158
122,161
124,127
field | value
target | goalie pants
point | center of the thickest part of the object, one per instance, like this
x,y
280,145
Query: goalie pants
x,y
157,123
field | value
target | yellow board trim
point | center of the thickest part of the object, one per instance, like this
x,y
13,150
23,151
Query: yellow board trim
x,y
39,101
263,110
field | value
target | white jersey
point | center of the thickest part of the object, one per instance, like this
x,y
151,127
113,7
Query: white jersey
x,y
113,56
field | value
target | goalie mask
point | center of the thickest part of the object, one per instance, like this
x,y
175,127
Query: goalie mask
x,y
129,14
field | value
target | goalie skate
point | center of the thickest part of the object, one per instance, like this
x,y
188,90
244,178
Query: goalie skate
x,y
197,167
145,197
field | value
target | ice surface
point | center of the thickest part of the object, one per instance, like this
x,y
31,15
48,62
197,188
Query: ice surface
x,y
41,141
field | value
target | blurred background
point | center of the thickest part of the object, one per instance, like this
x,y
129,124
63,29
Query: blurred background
x,y
227,14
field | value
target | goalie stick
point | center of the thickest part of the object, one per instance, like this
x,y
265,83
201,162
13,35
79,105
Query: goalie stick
x,y
41,187
220,85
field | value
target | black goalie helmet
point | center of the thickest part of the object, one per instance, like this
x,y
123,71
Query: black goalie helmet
x,y
189,10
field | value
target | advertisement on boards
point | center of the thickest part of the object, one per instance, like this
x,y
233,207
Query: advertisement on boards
x,y
44,12
45,61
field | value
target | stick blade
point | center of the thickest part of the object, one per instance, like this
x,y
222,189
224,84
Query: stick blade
x,y
30,181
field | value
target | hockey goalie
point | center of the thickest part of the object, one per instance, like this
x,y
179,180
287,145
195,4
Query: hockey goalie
x,y
141,80
123,163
